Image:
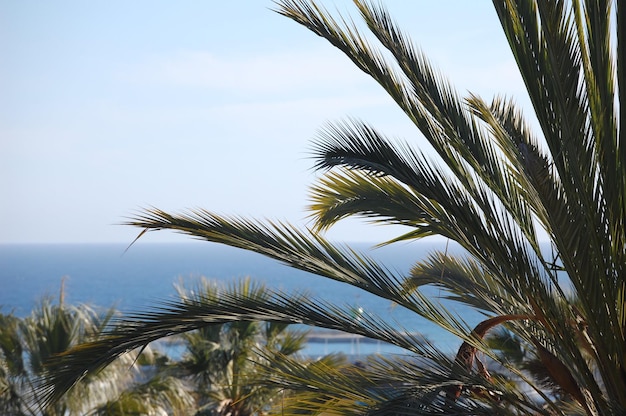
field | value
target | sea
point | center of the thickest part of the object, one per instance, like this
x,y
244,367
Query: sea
x,y
104,275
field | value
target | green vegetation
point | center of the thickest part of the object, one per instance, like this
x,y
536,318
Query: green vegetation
x,y
216,374
496,189
26,344
226,362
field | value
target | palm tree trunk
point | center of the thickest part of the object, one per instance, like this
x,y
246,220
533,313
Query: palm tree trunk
x,y
467,352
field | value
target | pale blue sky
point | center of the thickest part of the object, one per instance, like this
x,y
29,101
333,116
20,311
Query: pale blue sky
x,y
108,106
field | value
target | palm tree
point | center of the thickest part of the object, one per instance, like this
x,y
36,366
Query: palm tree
x,y
52,329
12,372
225,361
495,188
27,343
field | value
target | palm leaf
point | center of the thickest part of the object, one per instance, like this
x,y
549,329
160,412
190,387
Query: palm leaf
x,y
138,330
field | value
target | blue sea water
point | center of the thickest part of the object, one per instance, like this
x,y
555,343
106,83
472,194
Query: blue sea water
x,y
105,275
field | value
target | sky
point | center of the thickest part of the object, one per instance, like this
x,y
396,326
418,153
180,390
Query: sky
x,y
108,107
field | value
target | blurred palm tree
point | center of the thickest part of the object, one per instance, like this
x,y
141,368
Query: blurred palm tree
x,y
158,396
26,344
51,330
495,189
227,360
12,372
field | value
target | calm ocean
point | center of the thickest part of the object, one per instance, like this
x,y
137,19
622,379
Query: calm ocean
x,y
105,275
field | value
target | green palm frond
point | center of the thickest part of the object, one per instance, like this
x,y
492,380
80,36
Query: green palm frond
x,y
438,203
10,346
26,344
282,341
305,251
465,281
13,368
315,254
158,395
136,331
384,386
457,138
579,148
340,195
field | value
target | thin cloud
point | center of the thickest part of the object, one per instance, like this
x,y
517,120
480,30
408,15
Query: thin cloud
x,y
267,73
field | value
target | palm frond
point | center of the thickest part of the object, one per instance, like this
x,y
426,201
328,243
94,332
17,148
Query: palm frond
x,y
312,253
383,199
465,281
386,385
282,242
138,330
158,395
